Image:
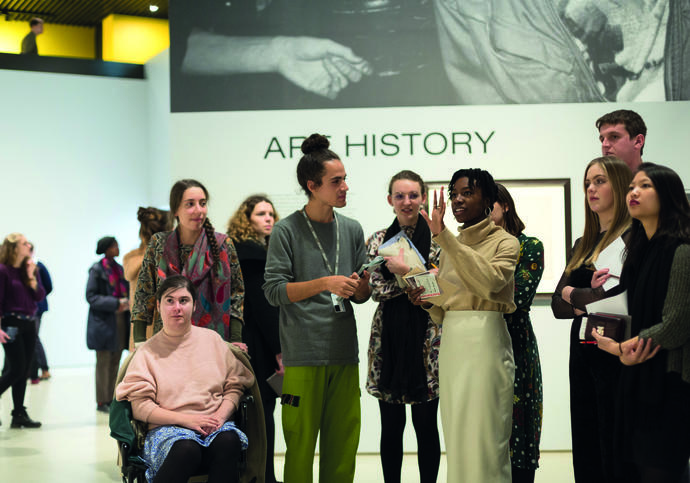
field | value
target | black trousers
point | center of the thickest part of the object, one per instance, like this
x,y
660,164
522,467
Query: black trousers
x,y
187,458
594,376
424,419
18,356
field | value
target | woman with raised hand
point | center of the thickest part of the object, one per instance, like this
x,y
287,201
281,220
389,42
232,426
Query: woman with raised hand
x,y
404,342
250,229
193,249
186,383
476,358
652,409
20,291
528,399
593,374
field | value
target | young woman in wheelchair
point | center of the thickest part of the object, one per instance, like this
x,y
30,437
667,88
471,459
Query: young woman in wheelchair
x,y
185,383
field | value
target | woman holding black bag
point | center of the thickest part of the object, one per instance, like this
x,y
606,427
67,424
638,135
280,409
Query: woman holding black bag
x,y
652,409
593,374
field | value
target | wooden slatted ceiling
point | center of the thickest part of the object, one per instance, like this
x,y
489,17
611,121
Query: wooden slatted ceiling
x,y
87,13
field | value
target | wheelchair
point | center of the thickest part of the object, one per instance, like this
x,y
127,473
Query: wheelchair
x,y
130,433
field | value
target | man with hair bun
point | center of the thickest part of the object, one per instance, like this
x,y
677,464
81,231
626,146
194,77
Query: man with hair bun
x,y
311,275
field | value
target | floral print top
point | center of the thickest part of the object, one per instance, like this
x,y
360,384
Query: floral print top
x,y
144,308
383,290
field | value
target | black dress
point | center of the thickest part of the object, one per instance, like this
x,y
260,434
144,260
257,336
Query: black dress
x,y
260,333
593,382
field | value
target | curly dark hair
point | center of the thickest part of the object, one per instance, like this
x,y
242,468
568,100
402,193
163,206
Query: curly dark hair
x,y
477,178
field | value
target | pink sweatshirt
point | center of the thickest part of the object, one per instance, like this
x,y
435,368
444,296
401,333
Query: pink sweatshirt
x,y
192,374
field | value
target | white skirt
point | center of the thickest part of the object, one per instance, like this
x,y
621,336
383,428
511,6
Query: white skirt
x,y
476,372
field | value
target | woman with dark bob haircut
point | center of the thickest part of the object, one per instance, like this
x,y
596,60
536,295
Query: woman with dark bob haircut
x,y
653,402
193,249
476,366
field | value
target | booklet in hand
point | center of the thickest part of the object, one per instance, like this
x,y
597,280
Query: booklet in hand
x,y
427,280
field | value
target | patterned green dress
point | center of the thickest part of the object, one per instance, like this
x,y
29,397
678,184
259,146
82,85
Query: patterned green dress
x,y
528,394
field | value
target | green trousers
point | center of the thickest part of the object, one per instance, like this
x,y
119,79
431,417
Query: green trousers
x,y
323,399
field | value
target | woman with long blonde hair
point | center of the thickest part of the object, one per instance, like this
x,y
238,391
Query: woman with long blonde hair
x,y
593,373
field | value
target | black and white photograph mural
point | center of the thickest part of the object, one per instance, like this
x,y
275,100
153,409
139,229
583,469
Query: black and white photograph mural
x,y
312,54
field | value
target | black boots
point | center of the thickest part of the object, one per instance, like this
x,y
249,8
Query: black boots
x,y
20,419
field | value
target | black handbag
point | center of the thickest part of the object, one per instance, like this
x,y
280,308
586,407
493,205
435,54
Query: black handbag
x,y
608,325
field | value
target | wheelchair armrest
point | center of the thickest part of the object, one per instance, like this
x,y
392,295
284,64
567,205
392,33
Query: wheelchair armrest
x,y
125,450
242,415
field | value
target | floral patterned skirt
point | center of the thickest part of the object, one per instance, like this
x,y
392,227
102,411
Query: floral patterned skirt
x,y
159,441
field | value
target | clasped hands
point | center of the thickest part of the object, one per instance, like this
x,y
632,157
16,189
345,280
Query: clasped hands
x,y
201,424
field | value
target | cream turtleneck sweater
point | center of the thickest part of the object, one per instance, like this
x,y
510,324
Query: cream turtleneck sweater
x,y
476,270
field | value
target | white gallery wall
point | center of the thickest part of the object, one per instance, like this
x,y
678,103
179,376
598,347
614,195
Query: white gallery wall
x,y
80,154
74,164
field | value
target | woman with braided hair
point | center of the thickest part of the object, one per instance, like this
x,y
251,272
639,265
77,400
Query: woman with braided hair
x,y
195,250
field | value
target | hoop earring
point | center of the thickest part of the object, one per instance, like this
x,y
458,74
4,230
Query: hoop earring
x,y
487,211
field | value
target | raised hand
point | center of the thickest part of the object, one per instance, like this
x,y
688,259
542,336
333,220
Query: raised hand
x,y
435,222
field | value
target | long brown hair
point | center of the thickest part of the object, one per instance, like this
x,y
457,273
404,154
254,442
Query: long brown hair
x,y
511,221
240,226
176,194
619,175
8,256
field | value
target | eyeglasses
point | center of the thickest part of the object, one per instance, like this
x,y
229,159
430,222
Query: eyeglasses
x,y
401,196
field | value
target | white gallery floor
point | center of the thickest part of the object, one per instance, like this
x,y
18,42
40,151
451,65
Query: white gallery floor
x,y
74,442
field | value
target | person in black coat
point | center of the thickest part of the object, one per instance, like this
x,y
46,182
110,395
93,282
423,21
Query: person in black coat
x,y
107,330
250,228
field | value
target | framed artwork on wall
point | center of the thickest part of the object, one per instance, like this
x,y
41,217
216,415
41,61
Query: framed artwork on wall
x,y
544,206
